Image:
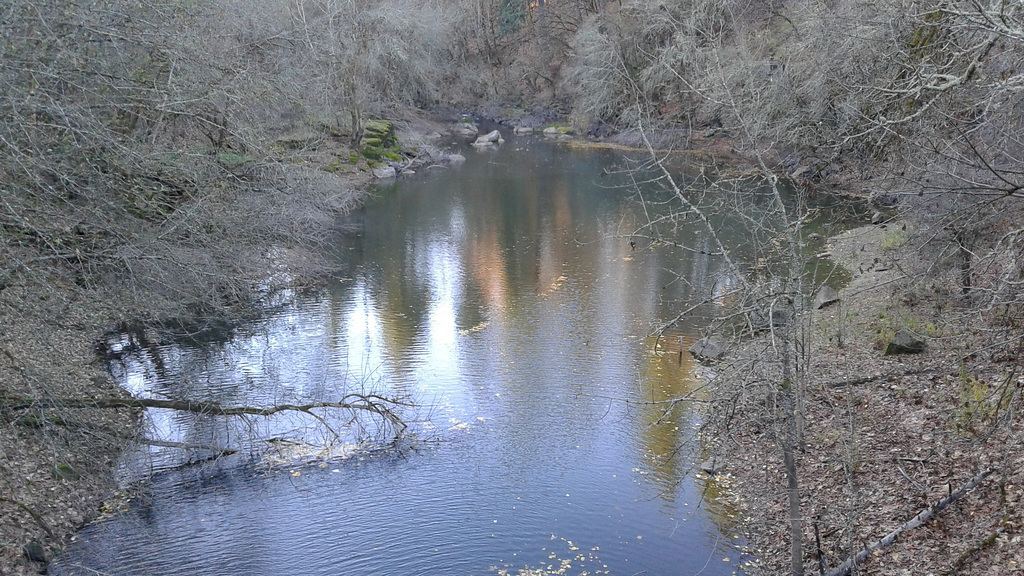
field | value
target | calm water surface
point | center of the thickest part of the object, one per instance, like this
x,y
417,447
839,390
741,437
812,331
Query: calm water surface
x,y
505,300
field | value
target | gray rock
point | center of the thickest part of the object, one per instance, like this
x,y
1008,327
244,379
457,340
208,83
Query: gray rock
x,y
384,172
466,129
904,342
35,552
709,349
825,296
522,130
877,218
491,138
712,466
781,318
456,159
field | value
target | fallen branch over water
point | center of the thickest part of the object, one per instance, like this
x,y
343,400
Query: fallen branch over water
x,y
372,403
921,519
189,446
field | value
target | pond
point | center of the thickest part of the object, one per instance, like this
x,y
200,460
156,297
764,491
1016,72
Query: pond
x,y
507,300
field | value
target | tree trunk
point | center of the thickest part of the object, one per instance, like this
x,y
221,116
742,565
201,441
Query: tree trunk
x,y
796,532
962,239
789,440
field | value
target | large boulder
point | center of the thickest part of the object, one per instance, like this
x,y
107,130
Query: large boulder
x,y
825,297
379,142
381,129
904,342
710,349
490,139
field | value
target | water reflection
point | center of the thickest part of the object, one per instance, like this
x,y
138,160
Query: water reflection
x,y
508,301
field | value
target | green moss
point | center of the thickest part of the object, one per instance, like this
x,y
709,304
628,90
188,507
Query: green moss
x,y
887,326
334,166
379,141
380,128
65,472
561,128
893,240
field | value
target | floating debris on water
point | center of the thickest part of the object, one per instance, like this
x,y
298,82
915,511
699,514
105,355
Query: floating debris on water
x,y
476,328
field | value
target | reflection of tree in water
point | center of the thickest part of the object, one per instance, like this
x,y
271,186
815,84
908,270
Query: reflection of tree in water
x,y
664,423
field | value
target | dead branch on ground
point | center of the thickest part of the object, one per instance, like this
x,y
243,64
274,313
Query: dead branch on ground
x,y
920,520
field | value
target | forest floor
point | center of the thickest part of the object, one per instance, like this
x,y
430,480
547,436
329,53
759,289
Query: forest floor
x,y
888,436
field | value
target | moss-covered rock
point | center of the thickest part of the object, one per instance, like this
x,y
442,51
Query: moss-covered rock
x,y
382,129
333,166
379,141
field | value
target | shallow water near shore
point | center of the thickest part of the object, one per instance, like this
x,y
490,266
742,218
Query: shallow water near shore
x,y
509,302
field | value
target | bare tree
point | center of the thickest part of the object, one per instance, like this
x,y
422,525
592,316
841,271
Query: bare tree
x,y
767,270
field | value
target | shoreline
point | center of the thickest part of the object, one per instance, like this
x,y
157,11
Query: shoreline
x,y
57,465
885,437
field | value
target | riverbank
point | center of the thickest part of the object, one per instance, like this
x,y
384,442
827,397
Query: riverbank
x,y
57,465
886,437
